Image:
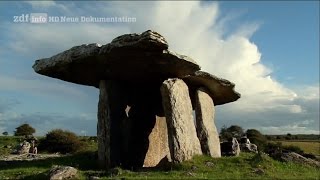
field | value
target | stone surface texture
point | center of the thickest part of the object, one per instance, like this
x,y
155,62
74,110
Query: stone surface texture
x,y
103,127
297,158
206,130
221,90
182,136
127,57
230,148
158,144
22,148
62,173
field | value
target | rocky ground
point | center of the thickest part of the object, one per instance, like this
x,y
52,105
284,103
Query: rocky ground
x,y
28,157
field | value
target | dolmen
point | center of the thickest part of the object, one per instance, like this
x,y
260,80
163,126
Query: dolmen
x,y
148,98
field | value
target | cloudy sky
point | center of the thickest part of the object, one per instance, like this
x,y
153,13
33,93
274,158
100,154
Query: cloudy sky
x,y
270,50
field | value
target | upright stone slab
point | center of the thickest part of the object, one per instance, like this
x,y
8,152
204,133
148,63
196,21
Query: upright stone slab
x,y
158,143
111,114
103,127
182,136
206,128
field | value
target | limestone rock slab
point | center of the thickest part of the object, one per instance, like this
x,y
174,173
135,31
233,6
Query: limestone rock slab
x,y
131,56
206,129
182,136
158,144
221,90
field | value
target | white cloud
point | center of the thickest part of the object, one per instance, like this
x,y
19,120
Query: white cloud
x,y
295,128
44,123
192,28
41,4
41,88
308,92
48,39
45,5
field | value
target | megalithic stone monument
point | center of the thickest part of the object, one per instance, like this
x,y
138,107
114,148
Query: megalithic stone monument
x,y
147,95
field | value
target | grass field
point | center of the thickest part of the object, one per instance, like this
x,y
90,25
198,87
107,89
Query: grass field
x,y
246,166
312,147
7,141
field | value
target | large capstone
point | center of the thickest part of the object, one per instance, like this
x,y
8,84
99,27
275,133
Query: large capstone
x,y
206,128
128,57
183,141
220,90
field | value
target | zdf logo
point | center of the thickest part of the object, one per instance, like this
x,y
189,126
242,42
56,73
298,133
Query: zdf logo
x,y
32,18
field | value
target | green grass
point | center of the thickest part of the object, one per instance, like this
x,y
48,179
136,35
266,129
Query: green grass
x,y
242,167
312,147
7,141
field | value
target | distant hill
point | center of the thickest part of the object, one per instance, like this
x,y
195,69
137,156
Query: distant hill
x,y
308,137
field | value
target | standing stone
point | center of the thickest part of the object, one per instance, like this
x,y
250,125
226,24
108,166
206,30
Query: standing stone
x,y
158,143
103,127
111,114
182,136
206,129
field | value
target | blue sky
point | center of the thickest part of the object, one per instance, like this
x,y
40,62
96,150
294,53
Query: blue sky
x,y
288,36
270,50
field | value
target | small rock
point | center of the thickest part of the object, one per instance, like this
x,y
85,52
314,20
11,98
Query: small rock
x,y
297,158
62,172
259,171
22,148
190,174
193,167
116,171
209,164
93,178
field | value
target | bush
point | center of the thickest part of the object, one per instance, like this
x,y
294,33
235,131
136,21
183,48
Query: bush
x,y
272,148
257,138
292,148
24,130
61,141
230,132
311,156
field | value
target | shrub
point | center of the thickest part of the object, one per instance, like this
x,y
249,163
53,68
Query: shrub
x,y
24,130
257,138
61,141
272,148
230,132
292,148
311,156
